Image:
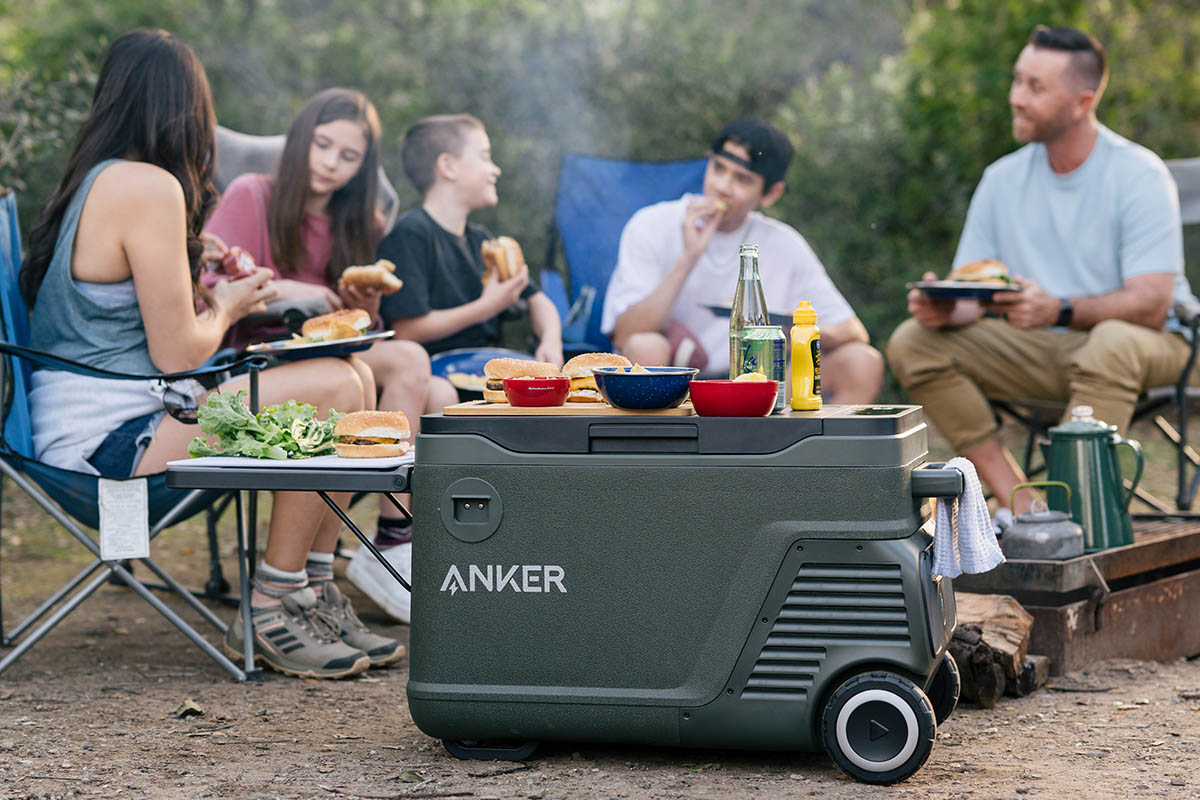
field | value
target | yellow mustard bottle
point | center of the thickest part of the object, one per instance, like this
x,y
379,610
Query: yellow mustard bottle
x,y
806,358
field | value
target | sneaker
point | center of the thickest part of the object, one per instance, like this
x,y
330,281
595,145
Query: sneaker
x,y
381,649
297,638
373,579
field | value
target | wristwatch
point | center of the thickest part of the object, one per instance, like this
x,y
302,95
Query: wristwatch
x,y
1066,313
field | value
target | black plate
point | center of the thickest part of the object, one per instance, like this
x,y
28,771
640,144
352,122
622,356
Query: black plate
x,y
954,289
295,349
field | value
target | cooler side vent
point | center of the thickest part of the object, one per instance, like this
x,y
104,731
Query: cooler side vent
x,y
828,605
851,604
784,670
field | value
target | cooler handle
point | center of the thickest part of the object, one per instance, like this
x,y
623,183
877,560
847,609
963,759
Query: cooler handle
x,y
934,480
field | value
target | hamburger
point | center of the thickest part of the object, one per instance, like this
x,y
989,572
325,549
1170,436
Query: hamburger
x,y
498,369
502,256
343,324
583,381
986,271
372,276
372,434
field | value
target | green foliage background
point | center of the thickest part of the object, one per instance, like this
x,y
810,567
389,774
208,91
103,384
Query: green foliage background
x,y
895,107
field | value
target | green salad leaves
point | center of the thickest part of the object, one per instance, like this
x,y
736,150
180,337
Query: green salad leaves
x,y
290,430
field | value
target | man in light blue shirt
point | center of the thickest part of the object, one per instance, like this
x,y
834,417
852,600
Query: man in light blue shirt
x,y
1088,225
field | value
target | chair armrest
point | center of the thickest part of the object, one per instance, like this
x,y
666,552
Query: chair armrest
x,y
257,362
1189,313
292,313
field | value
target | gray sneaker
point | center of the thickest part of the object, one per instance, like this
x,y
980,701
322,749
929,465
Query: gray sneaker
x,y
298,638
353,632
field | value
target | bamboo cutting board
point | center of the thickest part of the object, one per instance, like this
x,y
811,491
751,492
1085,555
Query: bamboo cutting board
x,y
479,408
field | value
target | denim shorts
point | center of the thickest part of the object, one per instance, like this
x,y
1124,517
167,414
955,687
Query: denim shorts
x,y
118,455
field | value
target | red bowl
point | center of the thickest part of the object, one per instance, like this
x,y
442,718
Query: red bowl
x,y
537,391
733,398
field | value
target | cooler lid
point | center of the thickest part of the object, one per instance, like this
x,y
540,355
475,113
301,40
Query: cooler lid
x,y
660,434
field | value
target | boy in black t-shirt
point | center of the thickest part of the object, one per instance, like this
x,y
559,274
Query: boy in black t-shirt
x,y
445,303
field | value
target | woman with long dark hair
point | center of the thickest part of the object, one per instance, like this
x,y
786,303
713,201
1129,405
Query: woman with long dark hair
x,y
111,277
308,222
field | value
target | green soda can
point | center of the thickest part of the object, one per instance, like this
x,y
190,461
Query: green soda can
x,y
764,350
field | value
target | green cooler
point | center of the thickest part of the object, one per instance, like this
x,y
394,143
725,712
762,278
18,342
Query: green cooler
x,y
751,583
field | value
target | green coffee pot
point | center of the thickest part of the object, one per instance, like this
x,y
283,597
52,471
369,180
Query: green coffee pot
x,y
1082,453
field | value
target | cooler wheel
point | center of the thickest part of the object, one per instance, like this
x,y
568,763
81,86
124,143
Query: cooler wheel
x,y
878,727
490,751
943,691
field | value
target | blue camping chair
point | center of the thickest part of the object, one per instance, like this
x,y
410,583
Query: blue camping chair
x,y
596,197
71,497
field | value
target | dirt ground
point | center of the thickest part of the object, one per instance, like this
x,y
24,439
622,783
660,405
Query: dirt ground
x,y
90,712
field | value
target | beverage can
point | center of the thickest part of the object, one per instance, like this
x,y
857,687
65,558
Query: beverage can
x,y
763,349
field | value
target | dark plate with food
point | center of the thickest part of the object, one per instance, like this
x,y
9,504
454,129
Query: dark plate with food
x,y
979,290
298,348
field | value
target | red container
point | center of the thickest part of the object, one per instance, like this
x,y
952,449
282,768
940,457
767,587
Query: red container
x,y
734,398
536,391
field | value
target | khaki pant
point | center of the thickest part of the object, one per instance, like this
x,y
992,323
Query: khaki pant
x,y
952,372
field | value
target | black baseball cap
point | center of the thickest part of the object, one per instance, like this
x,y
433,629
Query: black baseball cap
x,y
770,151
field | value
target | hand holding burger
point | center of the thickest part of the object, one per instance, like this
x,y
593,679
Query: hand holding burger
x,y
377,276
372,434
502,256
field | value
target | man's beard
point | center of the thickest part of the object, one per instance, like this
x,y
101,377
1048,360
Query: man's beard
x,y
1044,130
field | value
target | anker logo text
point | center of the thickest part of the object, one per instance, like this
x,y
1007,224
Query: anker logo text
x,y
497,578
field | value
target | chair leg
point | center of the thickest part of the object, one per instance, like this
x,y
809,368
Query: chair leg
x,y
216,586
178,588
54,599
113,567
184,628
54,619
1183,501
3,637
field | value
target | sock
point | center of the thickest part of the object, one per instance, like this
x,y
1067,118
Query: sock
x,y
320,571
392,531
270,584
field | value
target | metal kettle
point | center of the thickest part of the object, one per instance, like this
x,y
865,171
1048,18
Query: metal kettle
x,y
1082,453
1043,533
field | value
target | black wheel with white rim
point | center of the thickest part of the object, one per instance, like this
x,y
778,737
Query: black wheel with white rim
x,y
943,691
878,727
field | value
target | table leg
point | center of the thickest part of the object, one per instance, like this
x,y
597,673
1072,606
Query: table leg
x,y
364,539
252,674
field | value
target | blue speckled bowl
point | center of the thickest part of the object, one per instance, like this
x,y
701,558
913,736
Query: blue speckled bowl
x,y
661,387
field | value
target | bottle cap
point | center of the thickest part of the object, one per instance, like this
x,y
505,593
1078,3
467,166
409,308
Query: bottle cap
x,y
804,314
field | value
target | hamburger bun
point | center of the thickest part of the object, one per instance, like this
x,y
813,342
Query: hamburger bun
x,y
502,256
496,370
984,270
372,434
372,276
345,323
583,381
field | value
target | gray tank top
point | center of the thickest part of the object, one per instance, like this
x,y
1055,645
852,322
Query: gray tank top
x,y
98,325
69,323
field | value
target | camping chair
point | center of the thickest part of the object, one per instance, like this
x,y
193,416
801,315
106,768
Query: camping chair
x,y
239,153
71,498
1037,416
596,197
